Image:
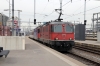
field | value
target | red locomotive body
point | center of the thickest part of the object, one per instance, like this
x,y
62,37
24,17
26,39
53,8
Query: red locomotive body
x,y
59,35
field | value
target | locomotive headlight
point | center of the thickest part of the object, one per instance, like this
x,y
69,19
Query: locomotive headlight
x,y
70,38
56,38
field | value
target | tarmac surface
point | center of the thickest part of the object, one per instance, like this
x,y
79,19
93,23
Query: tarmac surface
x,y
37,54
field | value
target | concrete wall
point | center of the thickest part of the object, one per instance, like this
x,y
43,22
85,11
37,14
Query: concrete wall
x,y
98,36
12,42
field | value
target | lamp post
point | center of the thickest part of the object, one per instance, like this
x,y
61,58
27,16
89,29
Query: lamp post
x,y
13,31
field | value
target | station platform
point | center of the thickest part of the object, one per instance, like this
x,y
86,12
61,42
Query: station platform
x,y
88,43
36,54
90,38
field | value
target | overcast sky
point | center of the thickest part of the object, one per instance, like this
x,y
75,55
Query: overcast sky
x,y
43,7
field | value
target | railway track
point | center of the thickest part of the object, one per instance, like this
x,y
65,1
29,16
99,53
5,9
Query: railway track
x,y
90,55
88,49
82,60
85,47
90,38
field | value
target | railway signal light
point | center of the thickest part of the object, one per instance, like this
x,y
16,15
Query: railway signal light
x,y
85,22
34,21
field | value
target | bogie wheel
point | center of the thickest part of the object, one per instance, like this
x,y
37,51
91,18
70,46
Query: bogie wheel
x,y
69,46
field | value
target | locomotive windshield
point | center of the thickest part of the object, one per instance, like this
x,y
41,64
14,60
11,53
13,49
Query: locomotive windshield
x,y
69,28
57,28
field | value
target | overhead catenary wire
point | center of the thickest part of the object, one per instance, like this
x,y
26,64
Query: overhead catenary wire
x,y
75,10
44,9
83,12
54,11
62,6
48,15
66,3
79,8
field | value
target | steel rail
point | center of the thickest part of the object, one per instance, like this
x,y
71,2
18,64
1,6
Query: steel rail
x,y
90,56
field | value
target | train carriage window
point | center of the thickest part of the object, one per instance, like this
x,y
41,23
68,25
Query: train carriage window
x,y
69,28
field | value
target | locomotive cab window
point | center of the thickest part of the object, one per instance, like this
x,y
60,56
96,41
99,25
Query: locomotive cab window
x,y
69,28
57,28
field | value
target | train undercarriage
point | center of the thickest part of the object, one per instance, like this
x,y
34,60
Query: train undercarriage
x,y
58,45
62,45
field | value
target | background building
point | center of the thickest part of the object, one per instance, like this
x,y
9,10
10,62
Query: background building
x,y
3,19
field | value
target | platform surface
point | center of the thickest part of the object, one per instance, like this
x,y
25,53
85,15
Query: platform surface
x,y
91,38
37,55
89,42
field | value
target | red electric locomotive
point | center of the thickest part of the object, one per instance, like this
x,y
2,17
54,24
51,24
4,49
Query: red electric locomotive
x,y
59,35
